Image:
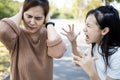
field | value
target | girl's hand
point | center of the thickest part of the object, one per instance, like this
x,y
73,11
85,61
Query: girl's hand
x,y
86,61
70,34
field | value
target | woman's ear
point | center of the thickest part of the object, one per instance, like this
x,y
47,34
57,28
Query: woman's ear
x,y
105,31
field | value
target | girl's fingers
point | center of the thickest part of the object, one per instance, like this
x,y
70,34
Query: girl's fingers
x,y
73,28
64,34
89,51
70,27
94,58
77,63
77,34
64,30
80,53
76,58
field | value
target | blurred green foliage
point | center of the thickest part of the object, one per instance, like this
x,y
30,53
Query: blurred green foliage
x,y
77,11
4,61
55,12
8,8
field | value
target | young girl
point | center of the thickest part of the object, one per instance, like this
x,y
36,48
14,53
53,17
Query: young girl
x,y
33,46
102,31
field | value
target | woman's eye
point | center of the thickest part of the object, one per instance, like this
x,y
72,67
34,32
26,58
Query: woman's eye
x,y
29,16
38,18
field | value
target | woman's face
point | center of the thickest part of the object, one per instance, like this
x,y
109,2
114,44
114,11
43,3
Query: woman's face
x,y
33,19
92,30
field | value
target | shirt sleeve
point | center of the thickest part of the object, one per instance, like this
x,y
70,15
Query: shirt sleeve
x,y
56,48
114,70
8,33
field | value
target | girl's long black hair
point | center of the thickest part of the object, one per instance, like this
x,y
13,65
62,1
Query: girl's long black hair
x,y
107,16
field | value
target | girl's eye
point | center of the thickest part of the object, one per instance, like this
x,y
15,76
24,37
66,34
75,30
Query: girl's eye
x,y
88,26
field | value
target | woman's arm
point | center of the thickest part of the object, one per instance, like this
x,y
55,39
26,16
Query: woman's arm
x,y
56,46
17,18
8,33
9,30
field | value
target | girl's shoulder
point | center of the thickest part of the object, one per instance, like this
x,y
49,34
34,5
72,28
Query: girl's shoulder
x,y
116,53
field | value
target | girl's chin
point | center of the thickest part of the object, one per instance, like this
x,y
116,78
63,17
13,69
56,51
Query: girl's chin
x,y
87,41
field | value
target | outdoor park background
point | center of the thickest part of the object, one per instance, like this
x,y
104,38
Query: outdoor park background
x,y
62,12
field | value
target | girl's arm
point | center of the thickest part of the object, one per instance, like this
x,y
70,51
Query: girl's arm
x,y
86,62
109,78
72,38
56,46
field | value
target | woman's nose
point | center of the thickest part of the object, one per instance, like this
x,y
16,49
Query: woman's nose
x,y
32,21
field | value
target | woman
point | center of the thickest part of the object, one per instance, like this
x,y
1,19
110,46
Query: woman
x,y
102,31
32,47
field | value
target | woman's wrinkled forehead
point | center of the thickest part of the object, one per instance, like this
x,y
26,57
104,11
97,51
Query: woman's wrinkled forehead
x,y
33,3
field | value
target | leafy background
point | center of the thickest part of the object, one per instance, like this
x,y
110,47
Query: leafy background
x,y
77,11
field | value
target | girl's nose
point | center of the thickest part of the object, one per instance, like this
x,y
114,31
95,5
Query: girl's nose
x,y
84,29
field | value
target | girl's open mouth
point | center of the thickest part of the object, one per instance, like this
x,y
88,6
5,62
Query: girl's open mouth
x,y
87,38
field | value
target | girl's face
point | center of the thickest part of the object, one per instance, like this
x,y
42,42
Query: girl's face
x,y
33,19
92,31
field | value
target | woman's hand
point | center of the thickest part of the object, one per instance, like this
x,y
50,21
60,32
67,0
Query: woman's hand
x,y
70,34
18,17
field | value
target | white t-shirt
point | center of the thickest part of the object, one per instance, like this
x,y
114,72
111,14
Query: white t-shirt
x,y
114,70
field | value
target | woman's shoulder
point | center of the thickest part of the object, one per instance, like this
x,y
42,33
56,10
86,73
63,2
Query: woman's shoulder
x,y
7,25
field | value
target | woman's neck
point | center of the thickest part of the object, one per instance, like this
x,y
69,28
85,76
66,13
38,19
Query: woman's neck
x,y
35,37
